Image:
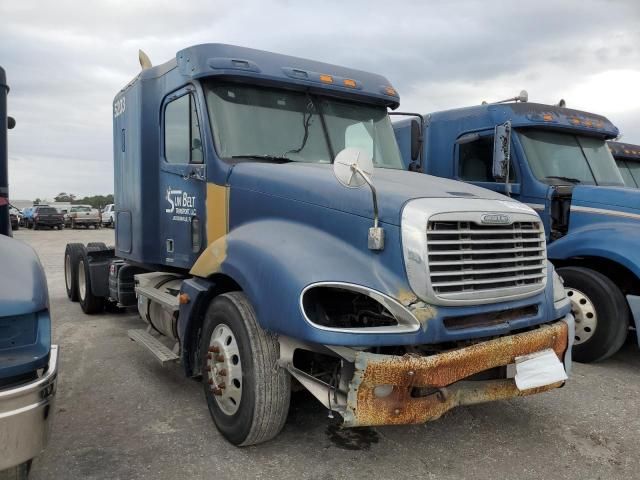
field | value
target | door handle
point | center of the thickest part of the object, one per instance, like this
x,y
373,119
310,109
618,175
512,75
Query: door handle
x,y
193,175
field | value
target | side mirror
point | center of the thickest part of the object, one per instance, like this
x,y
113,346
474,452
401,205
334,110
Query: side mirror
x,y
501,151
416,139
353,167
11,122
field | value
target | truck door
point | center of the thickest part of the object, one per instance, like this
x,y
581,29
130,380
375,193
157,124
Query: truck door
x,y
182,180
474,160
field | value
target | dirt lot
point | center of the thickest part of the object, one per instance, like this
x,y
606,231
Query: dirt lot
x,y
120,415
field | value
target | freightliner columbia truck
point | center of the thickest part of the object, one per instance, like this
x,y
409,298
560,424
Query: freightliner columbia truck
x,y
267,231
627,158
560,166
28,361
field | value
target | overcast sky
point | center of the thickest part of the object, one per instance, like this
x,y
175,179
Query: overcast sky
x,y
65,61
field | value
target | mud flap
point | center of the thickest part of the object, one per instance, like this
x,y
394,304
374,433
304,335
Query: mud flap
x,y
634,306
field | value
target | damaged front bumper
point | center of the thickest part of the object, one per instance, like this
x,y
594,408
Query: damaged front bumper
x,y
382,389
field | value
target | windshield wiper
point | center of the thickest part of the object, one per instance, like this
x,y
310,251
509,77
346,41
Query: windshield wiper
x,y
266,158
566,179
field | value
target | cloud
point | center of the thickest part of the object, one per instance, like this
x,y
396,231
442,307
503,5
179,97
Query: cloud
x,y
66,60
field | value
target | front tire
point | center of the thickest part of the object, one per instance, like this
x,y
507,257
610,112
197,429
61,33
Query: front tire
x,y
88,301
601,313
247,392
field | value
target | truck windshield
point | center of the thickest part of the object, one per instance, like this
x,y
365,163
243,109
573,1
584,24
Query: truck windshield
x,y
630,171
562,157
282,125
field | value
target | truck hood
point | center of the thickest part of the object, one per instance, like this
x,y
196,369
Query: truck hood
x,y
316,184
23,286
609,198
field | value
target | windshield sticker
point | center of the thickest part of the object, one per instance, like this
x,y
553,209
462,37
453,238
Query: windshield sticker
x,y
182,205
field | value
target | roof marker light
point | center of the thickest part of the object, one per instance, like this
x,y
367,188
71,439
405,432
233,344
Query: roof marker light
x,y
349,83
547,117
326,78
390,91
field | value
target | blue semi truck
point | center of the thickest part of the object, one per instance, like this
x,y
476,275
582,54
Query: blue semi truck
x,y
28,361
555,160
627,158
267,232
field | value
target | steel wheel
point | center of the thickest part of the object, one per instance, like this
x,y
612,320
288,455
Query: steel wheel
x,y
82,283
585,315
224,369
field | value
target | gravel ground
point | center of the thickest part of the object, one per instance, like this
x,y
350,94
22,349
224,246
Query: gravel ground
x,y
120,415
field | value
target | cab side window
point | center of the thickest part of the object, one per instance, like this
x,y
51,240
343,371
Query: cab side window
x,y
182,143
476,159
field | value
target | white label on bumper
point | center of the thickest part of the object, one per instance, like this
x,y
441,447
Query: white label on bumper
x,y
538,369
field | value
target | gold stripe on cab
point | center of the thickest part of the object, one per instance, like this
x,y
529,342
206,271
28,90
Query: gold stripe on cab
x,y
217,203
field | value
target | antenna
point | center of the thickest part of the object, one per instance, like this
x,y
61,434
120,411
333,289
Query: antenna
x,y
523,97
144,60
561,103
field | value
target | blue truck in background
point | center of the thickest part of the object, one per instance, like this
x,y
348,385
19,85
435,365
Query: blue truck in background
x,y
28,361
555,160
267,232
627,158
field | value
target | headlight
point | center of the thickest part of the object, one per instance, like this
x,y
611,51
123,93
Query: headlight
x,y
559,292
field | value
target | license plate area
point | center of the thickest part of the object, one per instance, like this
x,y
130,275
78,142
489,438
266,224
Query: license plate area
x,y
537,369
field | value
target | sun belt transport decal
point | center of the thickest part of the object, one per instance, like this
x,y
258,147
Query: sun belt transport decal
x,y
181,204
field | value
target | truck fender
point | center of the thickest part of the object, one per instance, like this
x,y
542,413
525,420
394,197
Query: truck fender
x,y
613,241
274,260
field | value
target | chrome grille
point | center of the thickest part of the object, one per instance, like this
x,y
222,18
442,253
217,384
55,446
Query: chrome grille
x,y
466,258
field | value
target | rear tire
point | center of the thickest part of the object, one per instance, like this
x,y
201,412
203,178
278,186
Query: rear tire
x,y
19,472
601,313
72,254
254,402
88,301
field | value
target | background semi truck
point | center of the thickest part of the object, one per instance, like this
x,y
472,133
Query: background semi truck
x,y
560,166
28,361
627,158
268,233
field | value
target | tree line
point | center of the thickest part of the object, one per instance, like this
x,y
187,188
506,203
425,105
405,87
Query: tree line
x,y
96,201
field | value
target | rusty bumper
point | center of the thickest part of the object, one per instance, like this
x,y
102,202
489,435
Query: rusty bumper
x,y
440,378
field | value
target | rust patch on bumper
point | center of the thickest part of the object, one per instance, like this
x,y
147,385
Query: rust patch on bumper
x,y
440,373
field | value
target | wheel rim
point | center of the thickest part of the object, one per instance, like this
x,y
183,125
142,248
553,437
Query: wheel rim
x,y
67,271
224,369
82,288
585,315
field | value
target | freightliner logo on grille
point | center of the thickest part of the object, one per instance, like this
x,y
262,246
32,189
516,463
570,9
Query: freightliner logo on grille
x,y
495,219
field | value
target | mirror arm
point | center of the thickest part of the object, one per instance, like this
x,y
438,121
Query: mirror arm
x,y
357,169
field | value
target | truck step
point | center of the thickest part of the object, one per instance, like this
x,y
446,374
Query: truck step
x,y
167,301
163,353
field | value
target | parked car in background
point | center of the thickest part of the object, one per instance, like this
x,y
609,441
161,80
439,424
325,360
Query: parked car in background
x,y
109,216
14,216
45,217
82,215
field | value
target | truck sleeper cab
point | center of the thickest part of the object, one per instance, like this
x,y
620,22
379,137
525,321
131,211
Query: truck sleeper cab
x,y
560,166
266,226
28,361
627,159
